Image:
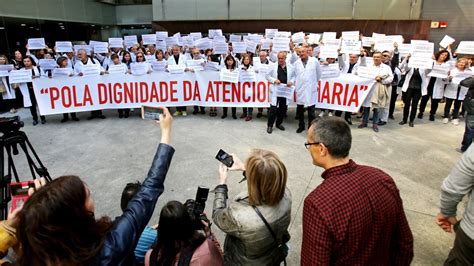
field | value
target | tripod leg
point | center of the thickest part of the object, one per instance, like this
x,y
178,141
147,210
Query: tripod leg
x,y
42,171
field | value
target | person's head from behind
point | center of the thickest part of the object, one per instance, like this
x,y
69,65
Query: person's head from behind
x,y
57,225
266,178
128,193
329,139
175,231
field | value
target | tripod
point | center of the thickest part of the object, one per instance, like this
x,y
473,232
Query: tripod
x,y
9,142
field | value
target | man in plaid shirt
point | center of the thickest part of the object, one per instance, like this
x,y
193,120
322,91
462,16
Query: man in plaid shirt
x,y
355,217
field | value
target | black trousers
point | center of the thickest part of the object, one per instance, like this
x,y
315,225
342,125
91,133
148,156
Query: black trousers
x,y
393,100
181,108
66,115
234,110
347,115
434,106
300,114
34,104
412,97
277,112
428,96
463,250
447,108
96,113
124,111
196,108
248,110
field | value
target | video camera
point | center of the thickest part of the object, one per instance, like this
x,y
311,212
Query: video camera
x,y
10,124
196,208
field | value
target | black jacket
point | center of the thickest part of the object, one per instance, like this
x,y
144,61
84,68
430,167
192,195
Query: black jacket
x,y
469,101
122,238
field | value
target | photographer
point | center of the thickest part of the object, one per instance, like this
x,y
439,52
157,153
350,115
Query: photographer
x,y
57,224
179,243
257,221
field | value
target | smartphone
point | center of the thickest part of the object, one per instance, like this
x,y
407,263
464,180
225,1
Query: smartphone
x,y
225,158
151,113
19,193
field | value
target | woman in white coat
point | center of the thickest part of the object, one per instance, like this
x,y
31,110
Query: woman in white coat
x,y
454,92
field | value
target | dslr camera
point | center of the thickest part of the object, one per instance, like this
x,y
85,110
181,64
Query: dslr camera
x,y
196,208
10,124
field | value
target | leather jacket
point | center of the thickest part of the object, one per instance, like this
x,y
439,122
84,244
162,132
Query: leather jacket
x,y
125,232
248,241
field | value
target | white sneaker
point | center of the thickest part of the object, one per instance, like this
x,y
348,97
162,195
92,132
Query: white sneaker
x,y
445,120
330,114
321,114
455,122
184,113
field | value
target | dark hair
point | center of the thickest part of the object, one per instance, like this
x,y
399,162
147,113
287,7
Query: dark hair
x,y
234,64
112,57
176,233
123,57
334,133
60,60
249,57
157,52
31,59
439,53
143,54
55,226
128,193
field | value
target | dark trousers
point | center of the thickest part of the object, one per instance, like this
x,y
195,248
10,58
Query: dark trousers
x,y
300,114
393,100
463,250
66,115
234,110
434,106
412,97
426,98
366,114
196,108
34,103
467,138
124,111
447,108
181,108
277,112
96,113
248,111
347,115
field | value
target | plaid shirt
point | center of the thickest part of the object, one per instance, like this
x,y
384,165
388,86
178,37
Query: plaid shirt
x,y
355,217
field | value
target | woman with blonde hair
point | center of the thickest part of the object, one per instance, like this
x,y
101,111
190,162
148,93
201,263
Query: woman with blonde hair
x,y
256,221
454,92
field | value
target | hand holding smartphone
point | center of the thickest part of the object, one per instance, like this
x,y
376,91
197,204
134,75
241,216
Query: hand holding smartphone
x,y
19,193
151,113
225,158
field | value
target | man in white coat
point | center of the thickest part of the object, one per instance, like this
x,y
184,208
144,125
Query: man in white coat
x,y
308,73
282,77
177,58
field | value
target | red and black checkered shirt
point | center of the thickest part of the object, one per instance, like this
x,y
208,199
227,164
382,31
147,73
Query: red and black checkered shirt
x,y
355,217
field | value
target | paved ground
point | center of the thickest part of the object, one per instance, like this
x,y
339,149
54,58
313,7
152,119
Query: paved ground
x,y
109,153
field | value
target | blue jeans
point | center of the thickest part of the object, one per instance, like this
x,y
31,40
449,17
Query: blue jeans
x,y
375,117
467,138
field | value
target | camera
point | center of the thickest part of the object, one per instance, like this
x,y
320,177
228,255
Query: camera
x,y
196,208
10,124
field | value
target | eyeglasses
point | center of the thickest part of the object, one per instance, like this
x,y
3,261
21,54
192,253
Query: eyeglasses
x,y
308,144
385,55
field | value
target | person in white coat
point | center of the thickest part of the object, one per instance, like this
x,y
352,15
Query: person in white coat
x,y
308,74
280,74
454,92
177,58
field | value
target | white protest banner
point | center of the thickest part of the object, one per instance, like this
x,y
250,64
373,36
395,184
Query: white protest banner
x,y
282,90
270,33
397,38
330,71
196,35
256,38
148,39
158,65
3,73
329,36
196,65
369,61
219,39
281,44
172,41
4,69
62,72
130,40
101,47
421,55
150,58
117,69
161,35
91,70
335,43
115,42
439,71
377,35
229,76
282,34
220,47
161,45
384,43
214,32
298,37
328,52
20,76
446,41
138,69
176,69
177,35
63,47
368,72
239,47
263,69
78,47
459,76
465,47
235,38
203,44
313,38
251,46
266,44
350,35
404,49
47,64
188,41
350,46
212,66
367,41
36,44
418,41
247,75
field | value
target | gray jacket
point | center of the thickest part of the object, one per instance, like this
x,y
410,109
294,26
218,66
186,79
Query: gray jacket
x,y
248,241
459,183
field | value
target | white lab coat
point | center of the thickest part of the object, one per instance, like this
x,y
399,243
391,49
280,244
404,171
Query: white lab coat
x,y
307,81
24,88
181,60
438,88
383,71
451,91
272,75
344,65
409,73
78,66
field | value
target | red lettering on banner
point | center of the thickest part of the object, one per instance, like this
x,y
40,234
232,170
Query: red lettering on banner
x,y
225,92
164,92
136,91
325,94
319,91
154,93
261,92
197,94
346,91
245,99
210,92
53,96
187,90
118,95
336,92
143,92
66,98
111,95
128,92
87,96
102,95
354,97
74,96
173,91
236,92
218,88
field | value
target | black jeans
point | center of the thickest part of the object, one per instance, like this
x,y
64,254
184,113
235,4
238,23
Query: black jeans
x,y
347,115
197,108
412,97
463,250
181,108
428,96
248,111
124,111
234,110
434,106
34,103
447,108
300,114
277,112
393,100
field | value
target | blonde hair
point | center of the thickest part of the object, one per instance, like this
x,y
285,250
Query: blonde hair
x,y
266,178
466,62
